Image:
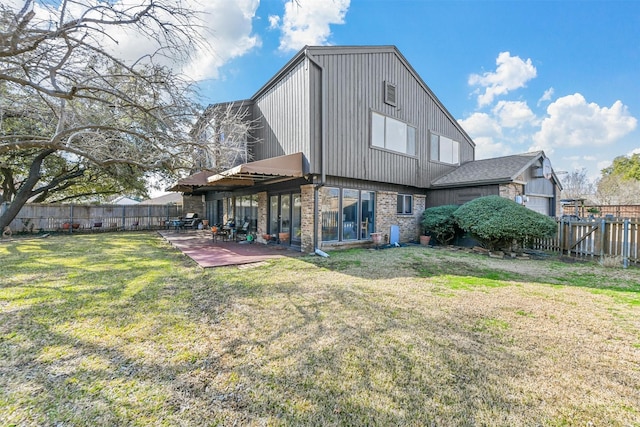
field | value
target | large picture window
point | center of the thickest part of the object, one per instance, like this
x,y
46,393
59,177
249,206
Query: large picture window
x,y
347,214
444,149
392,134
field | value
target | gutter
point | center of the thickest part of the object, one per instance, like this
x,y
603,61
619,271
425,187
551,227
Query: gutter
x,y
323,145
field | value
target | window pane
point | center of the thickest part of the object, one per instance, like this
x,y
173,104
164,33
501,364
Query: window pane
x,y
400,203
408,204
411,140
350,214
435,147
377,130
396,135
329,203
273,214
297,217
285,213
368,200
455,149
446,150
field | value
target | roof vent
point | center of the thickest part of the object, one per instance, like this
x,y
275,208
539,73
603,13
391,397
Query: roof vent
x,y
390,93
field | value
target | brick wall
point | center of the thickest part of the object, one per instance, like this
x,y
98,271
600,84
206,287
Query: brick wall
x,y
194,204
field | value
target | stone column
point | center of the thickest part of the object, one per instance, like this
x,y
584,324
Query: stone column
x,y
263,219
308,217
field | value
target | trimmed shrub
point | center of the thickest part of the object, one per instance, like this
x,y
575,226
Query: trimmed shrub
x,y
439,223
497,222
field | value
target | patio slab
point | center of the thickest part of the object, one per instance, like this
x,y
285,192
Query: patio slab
x,y
200,247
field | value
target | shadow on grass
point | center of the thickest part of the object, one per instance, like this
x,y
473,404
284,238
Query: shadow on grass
x,y
123,331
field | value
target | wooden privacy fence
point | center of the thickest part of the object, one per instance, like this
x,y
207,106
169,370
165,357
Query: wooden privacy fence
x,y
599,238
48,217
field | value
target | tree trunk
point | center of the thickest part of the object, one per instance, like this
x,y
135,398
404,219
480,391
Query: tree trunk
x,y
26,190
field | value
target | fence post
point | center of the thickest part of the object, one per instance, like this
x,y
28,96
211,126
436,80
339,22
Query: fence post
x,y
625,244
71,218
603,224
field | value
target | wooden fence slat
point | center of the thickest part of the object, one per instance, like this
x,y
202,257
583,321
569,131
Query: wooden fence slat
x,y
596,239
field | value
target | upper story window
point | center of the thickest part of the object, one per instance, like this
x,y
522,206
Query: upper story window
x,y
392,134
445,150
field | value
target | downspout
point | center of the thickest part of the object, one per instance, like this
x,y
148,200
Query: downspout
x,y
323,145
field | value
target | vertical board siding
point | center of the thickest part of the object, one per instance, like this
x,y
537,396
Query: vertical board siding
x,y
355,86
283,114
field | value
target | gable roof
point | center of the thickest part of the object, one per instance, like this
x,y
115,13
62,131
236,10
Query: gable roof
x,y
312,52
497,170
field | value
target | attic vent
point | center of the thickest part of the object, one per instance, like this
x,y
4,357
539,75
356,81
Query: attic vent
x,y
390,93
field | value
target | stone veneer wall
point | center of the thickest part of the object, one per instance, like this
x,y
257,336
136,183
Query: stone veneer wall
x,y
263,220
308,217
193,204
510,191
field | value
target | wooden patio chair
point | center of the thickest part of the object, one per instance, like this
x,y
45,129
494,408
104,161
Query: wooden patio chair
x,y
217,231
244,231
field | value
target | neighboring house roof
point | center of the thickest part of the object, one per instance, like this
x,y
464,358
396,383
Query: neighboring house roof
x,y
497,170
166,199
125,200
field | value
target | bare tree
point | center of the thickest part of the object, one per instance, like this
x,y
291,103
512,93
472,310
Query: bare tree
x,y
77,120
228,131
577,185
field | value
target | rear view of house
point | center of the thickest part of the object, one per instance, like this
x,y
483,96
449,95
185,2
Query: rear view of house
x,y
349,141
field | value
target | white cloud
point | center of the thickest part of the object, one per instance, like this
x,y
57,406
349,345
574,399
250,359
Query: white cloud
x,y
546,96
227,28
511,73
513,114
274,22
486,133
306,22
634,151
571,122
230,26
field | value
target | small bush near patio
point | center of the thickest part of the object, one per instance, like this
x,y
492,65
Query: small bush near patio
x,y
439,223
120,329
497,222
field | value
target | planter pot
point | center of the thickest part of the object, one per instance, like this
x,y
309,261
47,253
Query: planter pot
x,y
377,238
284,237
424,240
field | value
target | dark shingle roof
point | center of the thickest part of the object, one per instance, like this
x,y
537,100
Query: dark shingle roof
x,y
489,171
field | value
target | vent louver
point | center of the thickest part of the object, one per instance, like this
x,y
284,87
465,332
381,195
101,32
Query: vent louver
x,y
390,93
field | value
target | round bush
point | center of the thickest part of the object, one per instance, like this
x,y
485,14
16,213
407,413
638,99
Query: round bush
x,y
497,222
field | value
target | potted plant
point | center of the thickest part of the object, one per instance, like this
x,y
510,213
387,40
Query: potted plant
x,y
438,222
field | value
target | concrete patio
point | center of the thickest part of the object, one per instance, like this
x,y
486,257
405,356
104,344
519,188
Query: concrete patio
x,y
200,247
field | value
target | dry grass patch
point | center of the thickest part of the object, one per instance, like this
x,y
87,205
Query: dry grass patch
x,y
134,333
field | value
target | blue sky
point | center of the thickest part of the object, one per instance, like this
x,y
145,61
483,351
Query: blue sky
x,y
563,76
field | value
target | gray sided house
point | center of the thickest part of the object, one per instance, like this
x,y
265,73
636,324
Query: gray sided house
x,y
349,141
527,178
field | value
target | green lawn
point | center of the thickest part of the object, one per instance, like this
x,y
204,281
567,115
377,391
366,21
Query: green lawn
x,y
120,329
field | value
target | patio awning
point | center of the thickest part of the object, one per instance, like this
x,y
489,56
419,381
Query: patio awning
x,y
289,166
245,175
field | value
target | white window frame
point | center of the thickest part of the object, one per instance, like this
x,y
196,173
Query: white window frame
x,y
386,124
446,151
